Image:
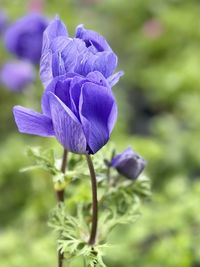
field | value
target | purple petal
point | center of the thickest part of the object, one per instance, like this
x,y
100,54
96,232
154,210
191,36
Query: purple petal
x,y
58,66
98,113
71,54
31,122
51,65
68,129
129,164
46,74
105,63
120,157
113,79
60,91
92,38
75,91
85,64
97,77
56,28
59,43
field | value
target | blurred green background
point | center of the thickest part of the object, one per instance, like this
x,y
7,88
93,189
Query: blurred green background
x,y
158,46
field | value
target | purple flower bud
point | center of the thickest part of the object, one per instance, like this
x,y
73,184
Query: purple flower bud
x,y
79,111
3,21
128,164
85,53
24,37
16,75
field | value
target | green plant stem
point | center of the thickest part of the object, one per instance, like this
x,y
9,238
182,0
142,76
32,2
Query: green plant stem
x,y
92,239
60,193
60,199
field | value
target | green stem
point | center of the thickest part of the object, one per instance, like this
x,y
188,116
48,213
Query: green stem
x,y
60,199
92,239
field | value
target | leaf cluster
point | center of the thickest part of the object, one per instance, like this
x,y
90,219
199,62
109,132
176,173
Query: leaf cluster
x,y
119,201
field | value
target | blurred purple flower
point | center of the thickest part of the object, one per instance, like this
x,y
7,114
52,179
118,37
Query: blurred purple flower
x,y
16,75
152,28
3,21
79,111
128,164
85,53
24,37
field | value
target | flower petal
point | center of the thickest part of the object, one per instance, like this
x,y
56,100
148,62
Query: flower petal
x,y
106,63
46,74
92,38
72,54
68,129
129,164
58,88
53,37
58,66
98,113
85,63
97,77
75,91
56,28
113,79
59,43
31,122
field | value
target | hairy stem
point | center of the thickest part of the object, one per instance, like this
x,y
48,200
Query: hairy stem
x,y
91,241
64,161
60,193
60,198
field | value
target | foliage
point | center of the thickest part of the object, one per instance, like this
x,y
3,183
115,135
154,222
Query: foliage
x,y
119,202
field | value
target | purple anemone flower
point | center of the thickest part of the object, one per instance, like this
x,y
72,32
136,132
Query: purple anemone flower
x,y
79,111
24,37
86,52
128,164
16,75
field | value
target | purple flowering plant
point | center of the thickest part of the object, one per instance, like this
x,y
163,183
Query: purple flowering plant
x,y
17,75
24,37
79,109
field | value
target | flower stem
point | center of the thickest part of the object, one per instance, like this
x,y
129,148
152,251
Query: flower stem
x,y
91,241
60,193
60,199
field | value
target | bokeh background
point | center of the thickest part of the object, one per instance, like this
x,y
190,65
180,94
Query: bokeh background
x,y
158,45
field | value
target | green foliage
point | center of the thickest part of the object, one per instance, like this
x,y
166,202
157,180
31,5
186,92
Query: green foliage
x,y
119,203
43,159
73,235
168,231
